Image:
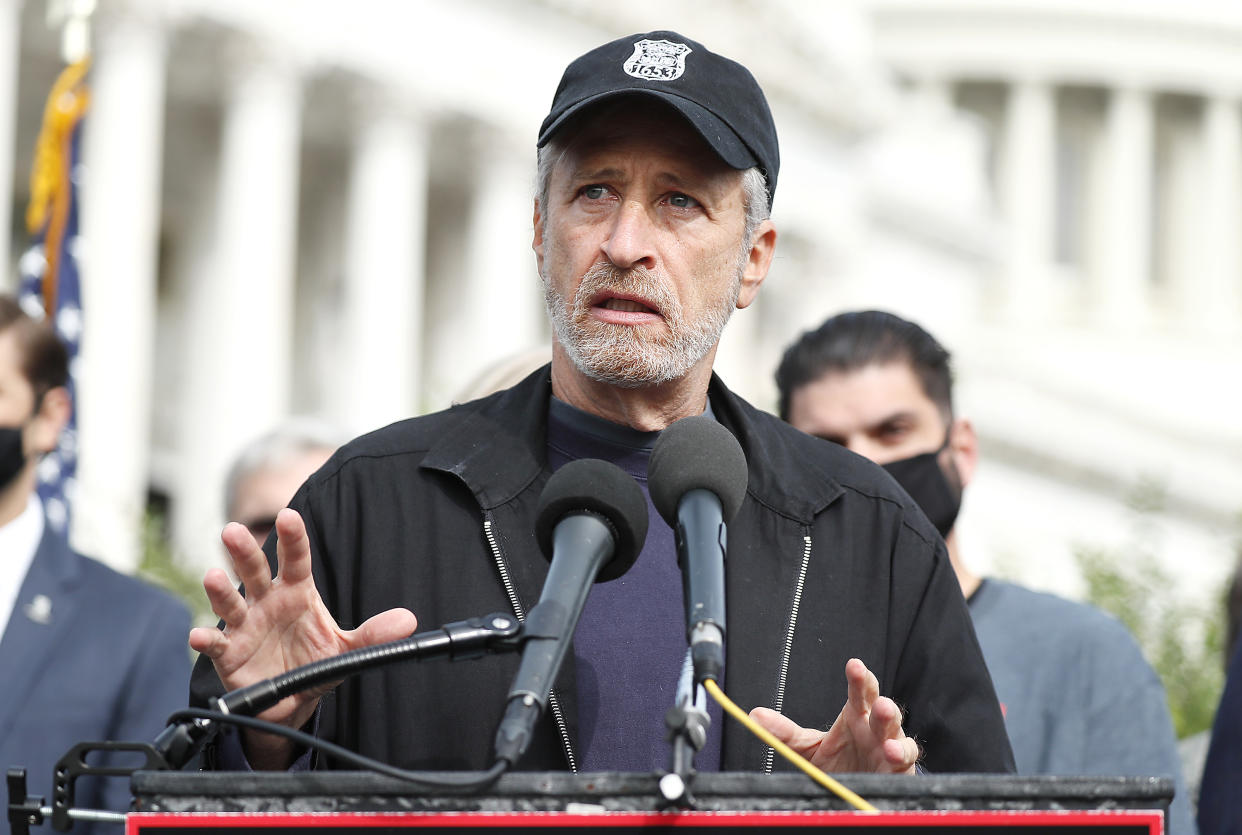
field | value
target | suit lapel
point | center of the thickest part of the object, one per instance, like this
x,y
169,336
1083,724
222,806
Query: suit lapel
x,y
41,619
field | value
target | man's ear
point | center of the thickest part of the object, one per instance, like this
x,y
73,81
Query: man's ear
x,y
964,447
50,420
762,247
537,241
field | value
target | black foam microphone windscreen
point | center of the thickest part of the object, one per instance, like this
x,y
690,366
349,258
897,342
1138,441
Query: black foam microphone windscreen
x,y
589,485
696,453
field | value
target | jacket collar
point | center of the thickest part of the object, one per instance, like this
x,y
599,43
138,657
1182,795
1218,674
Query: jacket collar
x,y
499,447
781,476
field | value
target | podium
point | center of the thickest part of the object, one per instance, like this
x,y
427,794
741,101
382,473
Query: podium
x,y
561,802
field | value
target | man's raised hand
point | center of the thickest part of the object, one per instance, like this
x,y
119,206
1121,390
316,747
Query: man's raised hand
x,y
867,736
281,623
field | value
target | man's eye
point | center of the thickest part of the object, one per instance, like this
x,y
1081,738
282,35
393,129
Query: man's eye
x,y
682,201
594,192
894,432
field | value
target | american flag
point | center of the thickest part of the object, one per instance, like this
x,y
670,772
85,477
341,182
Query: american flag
x,y
50,284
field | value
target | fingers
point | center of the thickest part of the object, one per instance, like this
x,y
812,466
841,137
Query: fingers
x,y
864,688
226,601
208,640
885,719
803,740
900,755
900,752
386,626
293,555
249,562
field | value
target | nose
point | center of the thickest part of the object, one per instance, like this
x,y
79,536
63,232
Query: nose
x,y
630,242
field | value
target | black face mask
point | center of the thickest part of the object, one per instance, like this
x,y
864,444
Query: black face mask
x,y
937,493
12,456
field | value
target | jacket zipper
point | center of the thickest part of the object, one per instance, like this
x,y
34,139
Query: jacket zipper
x,y
779,703
553,702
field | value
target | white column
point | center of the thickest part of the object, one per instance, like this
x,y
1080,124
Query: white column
x,y
385,253
1027,183
1181,222
502,302
1216,300
934,96
241,316
1121,261
120,200
10,29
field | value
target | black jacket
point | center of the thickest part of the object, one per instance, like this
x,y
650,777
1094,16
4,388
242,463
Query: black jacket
x,y
827,560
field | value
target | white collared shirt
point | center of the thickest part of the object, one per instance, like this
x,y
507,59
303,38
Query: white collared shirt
x,y
19,540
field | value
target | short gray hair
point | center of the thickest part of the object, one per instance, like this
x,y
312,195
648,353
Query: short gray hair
x,y
274,449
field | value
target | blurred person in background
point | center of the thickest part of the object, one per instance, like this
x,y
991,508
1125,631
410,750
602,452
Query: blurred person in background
x,y
270,469
1194,748
1077,694
1220,806
503,373
87,654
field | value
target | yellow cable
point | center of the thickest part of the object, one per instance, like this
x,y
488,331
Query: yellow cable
x,y
785,751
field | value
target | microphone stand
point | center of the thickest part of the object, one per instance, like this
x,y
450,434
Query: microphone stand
x,y
687,724
179,742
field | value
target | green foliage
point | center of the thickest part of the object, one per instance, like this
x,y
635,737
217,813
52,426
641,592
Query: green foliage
x,y
159,565
1182,641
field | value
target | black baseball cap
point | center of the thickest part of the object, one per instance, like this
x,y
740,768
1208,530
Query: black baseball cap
x,y
716,95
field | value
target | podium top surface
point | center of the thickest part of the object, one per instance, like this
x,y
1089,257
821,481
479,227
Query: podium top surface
x,y
348,791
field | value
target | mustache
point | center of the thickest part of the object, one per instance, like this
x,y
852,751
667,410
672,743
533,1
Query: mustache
x,y
645,283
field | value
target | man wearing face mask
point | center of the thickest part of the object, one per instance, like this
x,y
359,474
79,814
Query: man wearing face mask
x,y
86,654
1078,697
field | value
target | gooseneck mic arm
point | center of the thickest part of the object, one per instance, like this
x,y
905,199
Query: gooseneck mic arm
x,y
498,632
468,637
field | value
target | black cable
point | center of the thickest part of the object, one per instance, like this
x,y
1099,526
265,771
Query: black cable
x,y
466,781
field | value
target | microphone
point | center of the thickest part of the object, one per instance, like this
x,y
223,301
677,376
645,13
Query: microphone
x,y
591,523
697,480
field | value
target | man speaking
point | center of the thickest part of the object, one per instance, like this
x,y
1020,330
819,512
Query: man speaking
x,y
657,166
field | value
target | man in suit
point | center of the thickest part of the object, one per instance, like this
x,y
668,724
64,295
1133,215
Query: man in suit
x,y
86,654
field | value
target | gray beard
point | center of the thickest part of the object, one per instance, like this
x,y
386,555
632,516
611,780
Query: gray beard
x,y
623,356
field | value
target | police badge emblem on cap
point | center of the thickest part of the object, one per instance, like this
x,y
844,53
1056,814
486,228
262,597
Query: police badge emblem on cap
x,y
657,60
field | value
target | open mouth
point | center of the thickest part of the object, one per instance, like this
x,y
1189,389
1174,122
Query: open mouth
x,y
624,310
625,305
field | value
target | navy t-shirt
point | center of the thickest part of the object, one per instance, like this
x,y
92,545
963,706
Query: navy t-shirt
x,y
630,645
